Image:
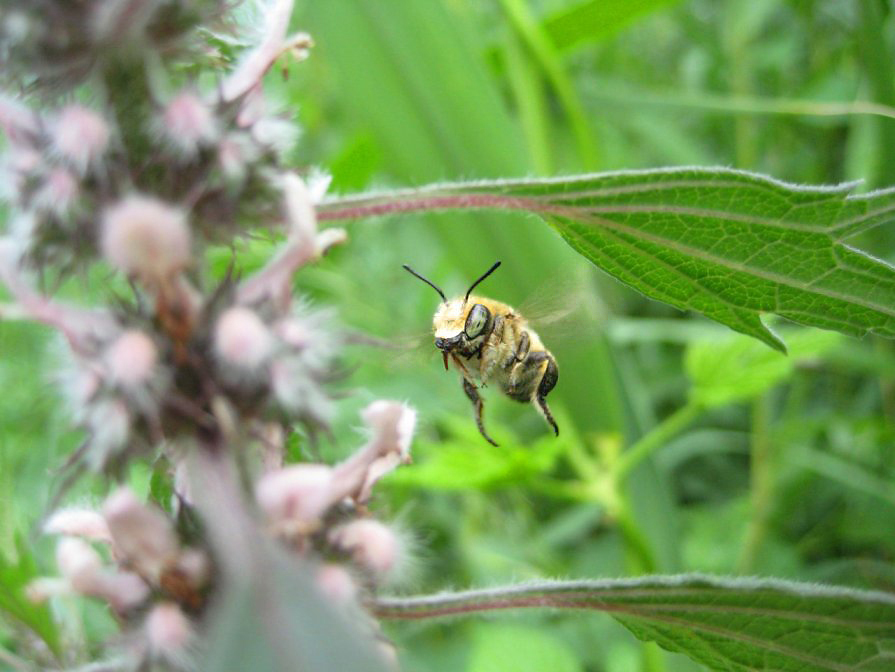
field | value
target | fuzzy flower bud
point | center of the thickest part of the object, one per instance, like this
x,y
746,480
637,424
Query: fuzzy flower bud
x,y
301,493
188,123
168,631
372,545
140,534
145,237
79,563
279,135
80,136
131,358
242,340
392,424
336,583
84,523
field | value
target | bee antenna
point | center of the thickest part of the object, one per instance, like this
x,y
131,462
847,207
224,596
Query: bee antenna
x,y
486,274
428,282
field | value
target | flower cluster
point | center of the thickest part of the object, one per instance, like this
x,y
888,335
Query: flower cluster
x,y
152,148
150,577
153,578
140,182
60,44
301,501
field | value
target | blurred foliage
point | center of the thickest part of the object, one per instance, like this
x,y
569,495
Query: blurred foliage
x,y
784,467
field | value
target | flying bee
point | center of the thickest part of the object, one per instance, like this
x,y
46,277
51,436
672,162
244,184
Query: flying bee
x,y
489,342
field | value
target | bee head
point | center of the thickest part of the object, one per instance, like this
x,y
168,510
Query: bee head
x,y
457,324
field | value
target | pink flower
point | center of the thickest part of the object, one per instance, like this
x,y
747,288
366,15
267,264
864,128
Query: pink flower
x,y
242,340
131,359
188,123
299,494
84,523
372,545
146,238
168,631
80,136
141,535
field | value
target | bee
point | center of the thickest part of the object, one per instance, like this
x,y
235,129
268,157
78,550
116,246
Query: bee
x,y
489,342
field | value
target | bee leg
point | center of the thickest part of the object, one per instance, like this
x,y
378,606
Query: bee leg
x,y
489,354
531,380
548,382
476,400
521,352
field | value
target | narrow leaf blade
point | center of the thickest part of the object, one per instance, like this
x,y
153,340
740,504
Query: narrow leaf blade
x,y
729,244
736,625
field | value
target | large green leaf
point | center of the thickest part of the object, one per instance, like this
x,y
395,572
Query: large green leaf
x,y
736,625
726,243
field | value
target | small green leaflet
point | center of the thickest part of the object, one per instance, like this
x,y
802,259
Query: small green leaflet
x,y
729,244
735,625
14,577
731,369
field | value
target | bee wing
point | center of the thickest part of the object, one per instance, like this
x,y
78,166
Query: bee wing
x,y
566,307
408,349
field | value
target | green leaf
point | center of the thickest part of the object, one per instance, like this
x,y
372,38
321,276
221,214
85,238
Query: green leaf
x,y
465,462
735,625
14,576
596,19
519,648
735,368
726,243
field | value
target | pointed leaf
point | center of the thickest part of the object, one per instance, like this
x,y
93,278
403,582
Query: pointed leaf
x,y
729,244
735,625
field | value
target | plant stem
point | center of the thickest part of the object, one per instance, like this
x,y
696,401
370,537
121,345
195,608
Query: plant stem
x,y
529,95
545,53
643,560
657,437
761,477
706,102
876,54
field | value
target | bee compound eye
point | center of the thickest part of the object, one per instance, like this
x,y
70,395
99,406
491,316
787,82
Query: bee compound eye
x,y
476,320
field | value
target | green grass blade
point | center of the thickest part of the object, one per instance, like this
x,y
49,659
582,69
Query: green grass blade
x,y
594,20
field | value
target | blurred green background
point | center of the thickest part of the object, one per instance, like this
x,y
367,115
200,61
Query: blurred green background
x,y
786,471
